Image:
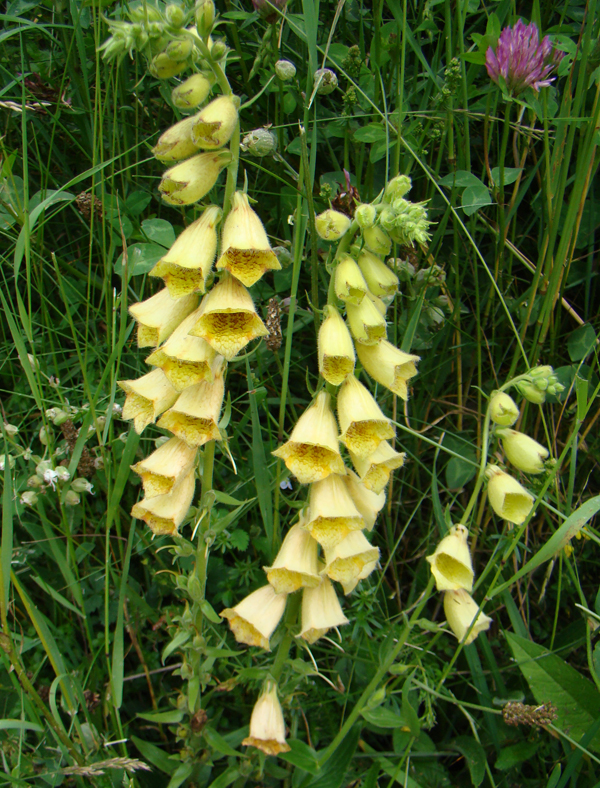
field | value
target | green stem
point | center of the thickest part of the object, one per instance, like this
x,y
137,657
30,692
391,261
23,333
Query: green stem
x,y
291,617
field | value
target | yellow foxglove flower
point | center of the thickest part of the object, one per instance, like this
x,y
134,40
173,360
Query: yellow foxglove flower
x,y
185,360
321,610
377,240
147,397
451,563
194,417
295,565
247,253
460,609
188,262
375,470
176,143
228,320
362,422
331,225
388,365
348,559
267,726
368,503
509,499
367,569
165,467
336,349
189,181
504,411
350,285
214,125
163,514
192,91
332,514
382,281
312,453
255,618
366,321
158,316
523,452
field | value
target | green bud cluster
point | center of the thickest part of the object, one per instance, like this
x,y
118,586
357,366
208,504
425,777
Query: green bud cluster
x,y
539,382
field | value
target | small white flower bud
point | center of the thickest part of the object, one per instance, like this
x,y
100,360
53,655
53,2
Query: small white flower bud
x,y
44,436
29,498
71,498
11,461
10,430
285,70
62,473
81,485
35,482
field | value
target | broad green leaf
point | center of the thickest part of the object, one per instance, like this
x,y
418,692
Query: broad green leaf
x,y
159,231
170,717
141,258
19,725
581,342
554,776
474,755
373,132
136,202
302,756
553,681
460,179
475,197
180,775
210,612
216,742
385,718
155,755
180,639
226,778
516,754
510,174
334,770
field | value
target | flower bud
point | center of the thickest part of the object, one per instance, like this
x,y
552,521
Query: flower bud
x,y
228,320
336,349
179,50
321,611
366,321
255,618
295,565
175,15
35,482
192,92
267,726
62,474
147,397
531,392
11,430
285,70
461,610
349,283
331,225
397,188
405,270
260,142
163,514
325,81
362,422
504,411
189,181
365,215
218,50
523,452
11,461
176,143
29,498
451,563
247,253
377,240
71,498
387,219
44,436
375,470
162,67
312,453
158,316
214,125
205,17
509,499
380,279
332,514
81,485
388,365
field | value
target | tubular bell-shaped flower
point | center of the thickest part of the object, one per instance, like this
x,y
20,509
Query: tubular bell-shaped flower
x,y
247,253
255,618
375,470
192,91
185,360
321,610
176,142
451,563
382,281
158,316
350,285
509,499
147,397
388,365
267,726
366,321
368,503
347,560
186,265
213,126
460,609
189,181
523,452
362,421
194,417
165,467
295,565
312,452
336,349
332,514
163,514
228,320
